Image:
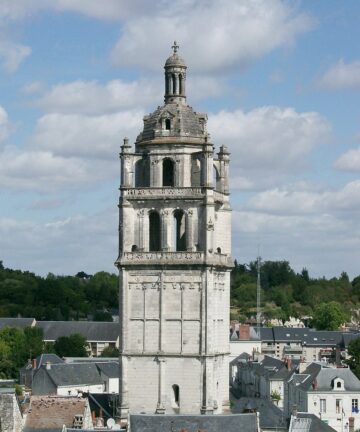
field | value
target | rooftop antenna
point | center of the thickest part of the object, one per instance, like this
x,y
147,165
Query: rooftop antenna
x,y
258,295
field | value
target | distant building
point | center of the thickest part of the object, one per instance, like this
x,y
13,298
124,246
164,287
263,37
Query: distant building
x,y
17,322
243,338
99,335
306,344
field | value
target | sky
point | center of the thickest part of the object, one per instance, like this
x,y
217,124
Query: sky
x,y
280,81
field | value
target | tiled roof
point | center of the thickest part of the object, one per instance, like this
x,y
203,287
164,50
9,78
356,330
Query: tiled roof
x,y
305,422
50,413
42,359
91,330
208,423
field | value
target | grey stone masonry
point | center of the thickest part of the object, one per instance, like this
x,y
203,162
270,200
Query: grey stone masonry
x,y
11,419
174,261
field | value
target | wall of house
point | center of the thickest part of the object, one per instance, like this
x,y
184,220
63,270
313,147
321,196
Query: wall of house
x,y
75,390
336,420
243,346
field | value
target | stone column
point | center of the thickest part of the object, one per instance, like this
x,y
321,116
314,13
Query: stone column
x,y
160,408
189,231
156,173
123,342
165,244
141,230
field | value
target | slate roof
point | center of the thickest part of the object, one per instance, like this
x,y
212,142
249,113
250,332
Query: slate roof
x,y
270,416
193,423
42,359
50,413
110,369
72,374
326,375
305,422
185,123
16,322
307,336
92,330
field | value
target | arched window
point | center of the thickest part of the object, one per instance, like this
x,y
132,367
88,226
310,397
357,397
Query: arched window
x,y
180,230
167,124
176,395
181,90
168,172
154,232
142,173
218,250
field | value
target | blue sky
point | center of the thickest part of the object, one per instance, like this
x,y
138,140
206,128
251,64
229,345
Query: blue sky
x,y
280,81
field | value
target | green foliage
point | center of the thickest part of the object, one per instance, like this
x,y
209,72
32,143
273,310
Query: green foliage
x,y
354,360
275,395
102,316
56,297
329,316
110,352
71,346
286,293
16,346
18,390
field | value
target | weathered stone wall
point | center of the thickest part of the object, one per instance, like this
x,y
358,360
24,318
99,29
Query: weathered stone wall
x,y
10,416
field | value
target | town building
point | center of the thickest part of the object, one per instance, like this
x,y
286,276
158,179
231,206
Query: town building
x,y
332,394
11,418
174,261
243,339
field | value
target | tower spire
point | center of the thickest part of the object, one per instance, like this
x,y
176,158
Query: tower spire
x,y
175,77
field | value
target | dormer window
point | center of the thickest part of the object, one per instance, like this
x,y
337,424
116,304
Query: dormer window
x,y
167,124
338,384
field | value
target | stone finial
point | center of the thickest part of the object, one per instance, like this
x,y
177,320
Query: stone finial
x,y
175,47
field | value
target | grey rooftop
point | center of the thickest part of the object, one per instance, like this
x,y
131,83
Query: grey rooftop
x,y
193,423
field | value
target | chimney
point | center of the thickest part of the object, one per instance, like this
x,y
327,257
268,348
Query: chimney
x,y
47,365
288,363
33,363
314,385
244,332
294,411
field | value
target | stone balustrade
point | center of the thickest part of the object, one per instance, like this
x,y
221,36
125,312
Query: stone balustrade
x,y
162,258
163,192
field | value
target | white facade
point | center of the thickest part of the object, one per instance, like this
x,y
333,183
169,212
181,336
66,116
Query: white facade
x,y
337,402
244,346
174,262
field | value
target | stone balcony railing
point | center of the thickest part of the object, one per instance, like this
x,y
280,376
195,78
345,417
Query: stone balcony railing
x,y
180,258
164,192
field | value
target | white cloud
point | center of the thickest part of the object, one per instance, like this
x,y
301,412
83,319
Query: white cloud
x,y
349,161
33,87
299,200
237,35
269,138
12,54
5,126
83,136
341,76
86,243
90,97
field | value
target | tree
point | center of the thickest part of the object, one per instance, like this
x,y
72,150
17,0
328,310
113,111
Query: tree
x,y
33,341
103,316
329,316
71,346
354,360
110,352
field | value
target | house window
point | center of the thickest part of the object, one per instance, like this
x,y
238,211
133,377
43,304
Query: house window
x,y
323,405
338,406
355,405
338,384
167,124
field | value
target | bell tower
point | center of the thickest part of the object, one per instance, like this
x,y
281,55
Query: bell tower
x,y
174,261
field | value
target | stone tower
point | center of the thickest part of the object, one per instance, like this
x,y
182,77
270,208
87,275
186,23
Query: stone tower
x,y
174,261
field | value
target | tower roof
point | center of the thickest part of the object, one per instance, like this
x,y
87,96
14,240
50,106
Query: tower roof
x,y
175,60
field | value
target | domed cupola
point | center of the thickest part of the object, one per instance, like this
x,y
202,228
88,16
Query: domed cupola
x,y
175,77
